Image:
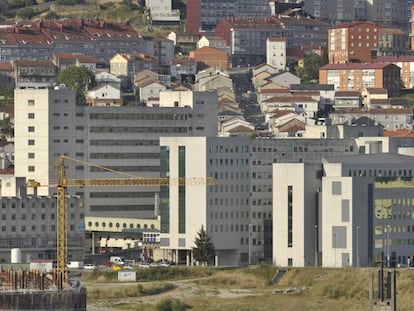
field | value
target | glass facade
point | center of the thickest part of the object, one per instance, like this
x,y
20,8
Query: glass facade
x,y
165,190
181,190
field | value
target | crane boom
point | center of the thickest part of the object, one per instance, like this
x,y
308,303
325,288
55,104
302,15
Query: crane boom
x,y
62,183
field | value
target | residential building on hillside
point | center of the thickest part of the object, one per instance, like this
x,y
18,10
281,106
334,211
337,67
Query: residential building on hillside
x,y
211,57
359,76
125,139
391,118
390,12
212,41
7,76
126,66
64,60
162,13
354,41
406,63
276,52
163,51
247,37
392,41
205,14
39,40
362,209
104,95
337,11
34,73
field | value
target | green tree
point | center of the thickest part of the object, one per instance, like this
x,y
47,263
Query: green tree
x,y
79,79
204,248
310,71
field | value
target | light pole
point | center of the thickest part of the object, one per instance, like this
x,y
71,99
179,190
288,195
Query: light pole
x,y
357,245
335,248
388,245
316,246
250,245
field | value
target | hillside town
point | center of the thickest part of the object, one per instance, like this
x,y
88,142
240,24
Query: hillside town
x,y
290,121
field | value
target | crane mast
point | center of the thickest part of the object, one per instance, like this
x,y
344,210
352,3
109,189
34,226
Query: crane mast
x,y
62,183
62,224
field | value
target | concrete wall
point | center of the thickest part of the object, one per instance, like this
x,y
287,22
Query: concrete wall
x,y
66,300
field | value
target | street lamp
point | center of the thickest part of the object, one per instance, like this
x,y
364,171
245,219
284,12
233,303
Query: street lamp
x,y
250,244
316,246
357,246
388,245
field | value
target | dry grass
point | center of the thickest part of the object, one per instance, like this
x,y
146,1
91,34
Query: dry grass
x,y
249,289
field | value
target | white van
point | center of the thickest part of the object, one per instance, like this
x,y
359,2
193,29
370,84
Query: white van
x,y
75,264
117,260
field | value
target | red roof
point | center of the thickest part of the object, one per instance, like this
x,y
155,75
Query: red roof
x,y
353,66
399,133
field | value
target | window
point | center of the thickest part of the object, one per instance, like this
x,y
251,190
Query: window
x,y
30,102
31,168
31,155
336,188
345,210
31,115
31,142
31,129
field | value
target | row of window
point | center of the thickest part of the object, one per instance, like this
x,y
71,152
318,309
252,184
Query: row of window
x,y
142,129
139,116
35,216
33,228
227,215
231,188
231,162
381,173
118,225
11,204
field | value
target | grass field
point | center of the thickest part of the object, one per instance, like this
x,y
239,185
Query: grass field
x,y
248,288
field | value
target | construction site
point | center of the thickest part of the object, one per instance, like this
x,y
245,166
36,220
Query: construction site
x,y
35,290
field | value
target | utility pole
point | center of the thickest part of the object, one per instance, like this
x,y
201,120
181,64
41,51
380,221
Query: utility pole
x,y
316,246
357,245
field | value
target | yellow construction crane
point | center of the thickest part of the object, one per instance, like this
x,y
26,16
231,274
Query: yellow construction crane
x,y
62,183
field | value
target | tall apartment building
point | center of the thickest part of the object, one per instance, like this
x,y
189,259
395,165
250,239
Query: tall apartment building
x,y
337,11
204,15
358,208
392,13
389,12
353,41
124,139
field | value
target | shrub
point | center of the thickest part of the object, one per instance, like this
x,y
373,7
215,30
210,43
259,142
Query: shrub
x,y
171,305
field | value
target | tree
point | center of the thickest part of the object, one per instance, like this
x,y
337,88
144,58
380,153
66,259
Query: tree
x,y
204,248
79,79
310,71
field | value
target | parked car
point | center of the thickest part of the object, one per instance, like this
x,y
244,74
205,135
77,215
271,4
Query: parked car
x,y
128,266
90,266
143,265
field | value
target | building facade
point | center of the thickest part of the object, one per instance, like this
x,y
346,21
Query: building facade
x,y
205,14
358,208
124,139
359,76
353,41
